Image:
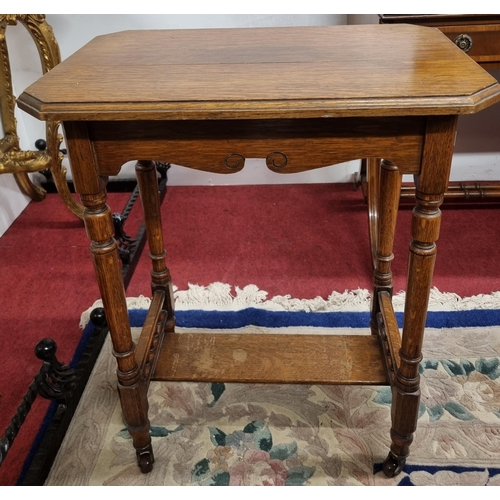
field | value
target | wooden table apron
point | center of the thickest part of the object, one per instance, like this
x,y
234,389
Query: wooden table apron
x,y
323,112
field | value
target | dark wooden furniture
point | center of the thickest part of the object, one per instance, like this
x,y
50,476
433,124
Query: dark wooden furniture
x,y
302,98
478,35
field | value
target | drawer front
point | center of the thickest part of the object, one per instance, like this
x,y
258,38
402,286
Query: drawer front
x,y
481,43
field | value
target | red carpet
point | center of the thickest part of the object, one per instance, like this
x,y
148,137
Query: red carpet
x,y
302,240
46,280
307,240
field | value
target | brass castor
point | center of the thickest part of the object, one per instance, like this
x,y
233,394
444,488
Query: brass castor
x,y
145,459
393,465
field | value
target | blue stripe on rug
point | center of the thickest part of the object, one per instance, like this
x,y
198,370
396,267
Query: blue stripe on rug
x,y
434,469
275,319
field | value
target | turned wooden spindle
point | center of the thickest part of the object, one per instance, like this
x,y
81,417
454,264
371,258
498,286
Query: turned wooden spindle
x,y
388,202
147,181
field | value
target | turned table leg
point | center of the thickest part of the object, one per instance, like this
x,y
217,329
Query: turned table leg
x,y
132,390
388,202
406,385
430,187
107,264
160,276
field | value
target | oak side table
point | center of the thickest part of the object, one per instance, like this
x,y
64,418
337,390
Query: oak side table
x,y
303,98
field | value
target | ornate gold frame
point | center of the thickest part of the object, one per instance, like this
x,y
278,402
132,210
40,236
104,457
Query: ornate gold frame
x,y
12,159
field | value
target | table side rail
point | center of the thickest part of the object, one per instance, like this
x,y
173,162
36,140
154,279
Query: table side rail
x,y
151,338
389,335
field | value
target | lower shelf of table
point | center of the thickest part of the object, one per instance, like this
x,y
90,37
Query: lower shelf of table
x,y
269,358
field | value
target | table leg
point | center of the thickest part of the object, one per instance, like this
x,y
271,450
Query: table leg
x,y
131,387
387,202
160,276
406,386
99,225
430,187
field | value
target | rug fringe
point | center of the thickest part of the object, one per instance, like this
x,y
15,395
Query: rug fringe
x,y
140,302
219,296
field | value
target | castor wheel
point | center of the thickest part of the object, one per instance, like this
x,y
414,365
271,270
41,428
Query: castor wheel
x,y
145,459
393,465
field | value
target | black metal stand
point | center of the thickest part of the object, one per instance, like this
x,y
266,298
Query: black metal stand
x,y
54,381
54,435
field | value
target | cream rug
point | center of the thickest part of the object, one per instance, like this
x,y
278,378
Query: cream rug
x,y
235,434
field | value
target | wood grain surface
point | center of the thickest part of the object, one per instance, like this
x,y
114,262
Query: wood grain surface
x,y
368,70
271,358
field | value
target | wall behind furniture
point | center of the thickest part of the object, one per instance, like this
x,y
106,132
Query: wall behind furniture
x,y
476,158
477,147
72,31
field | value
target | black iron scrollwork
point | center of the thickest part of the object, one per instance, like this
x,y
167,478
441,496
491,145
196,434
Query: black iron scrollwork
x,y
125,243
54,381
59,380
128,246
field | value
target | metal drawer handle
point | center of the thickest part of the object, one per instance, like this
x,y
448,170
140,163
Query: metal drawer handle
x,y
464,42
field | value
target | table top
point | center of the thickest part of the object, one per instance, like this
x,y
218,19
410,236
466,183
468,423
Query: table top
x,y
297,72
